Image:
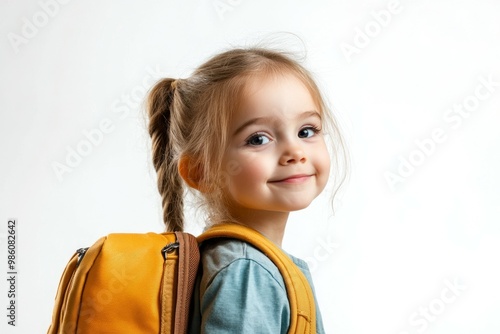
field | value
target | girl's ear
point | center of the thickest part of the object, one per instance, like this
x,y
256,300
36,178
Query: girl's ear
x,y
189,173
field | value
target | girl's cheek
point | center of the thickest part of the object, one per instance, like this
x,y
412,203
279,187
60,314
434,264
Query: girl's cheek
x,y
328,161
324,155
252,170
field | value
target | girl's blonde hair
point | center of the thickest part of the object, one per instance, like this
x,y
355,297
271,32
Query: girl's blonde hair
x,y
190,117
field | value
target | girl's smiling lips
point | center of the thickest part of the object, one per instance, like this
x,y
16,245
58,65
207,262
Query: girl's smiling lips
x,y
298,178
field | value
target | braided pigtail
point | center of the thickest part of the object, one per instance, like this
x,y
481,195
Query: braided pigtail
x,y
159,108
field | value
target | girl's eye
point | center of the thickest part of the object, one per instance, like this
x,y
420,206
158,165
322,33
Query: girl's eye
x,y
308,132
257,139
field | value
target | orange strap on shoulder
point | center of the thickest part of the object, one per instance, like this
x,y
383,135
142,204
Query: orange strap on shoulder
x,y
300,295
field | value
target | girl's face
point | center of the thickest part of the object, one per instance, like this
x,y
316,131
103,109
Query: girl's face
x,y
276,159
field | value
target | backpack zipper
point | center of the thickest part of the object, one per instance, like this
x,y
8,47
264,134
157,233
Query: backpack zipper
x,y
169,249
81,253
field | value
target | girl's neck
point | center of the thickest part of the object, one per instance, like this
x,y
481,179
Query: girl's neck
x,y
270,224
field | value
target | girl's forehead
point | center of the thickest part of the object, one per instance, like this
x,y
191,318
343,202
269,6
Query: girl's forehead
x,y
285,89
277,97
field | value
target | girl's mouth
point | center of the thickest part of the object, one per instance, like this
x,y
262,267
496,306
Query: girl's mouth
x,y
298,178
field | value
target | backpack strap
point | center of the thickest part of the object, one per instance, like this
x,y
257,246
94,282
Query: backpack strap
x,y
300,295
189,258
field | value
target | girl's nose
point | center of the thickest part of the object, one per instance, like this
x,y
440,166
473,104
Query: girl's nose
x,y
292,154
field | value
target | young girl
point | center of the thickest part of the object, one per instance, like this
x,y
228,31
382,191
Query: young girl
x,y
246,131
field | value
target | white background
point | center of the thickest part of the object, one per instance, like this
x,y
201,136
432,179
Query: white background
x,y
387,254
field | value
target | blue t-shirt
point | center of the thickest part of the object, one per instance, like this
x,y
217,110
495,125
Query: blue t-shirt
x,y
241,291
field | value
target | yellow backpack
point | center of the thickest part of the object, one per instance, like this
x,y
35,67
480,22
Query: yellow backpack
x,y
143,283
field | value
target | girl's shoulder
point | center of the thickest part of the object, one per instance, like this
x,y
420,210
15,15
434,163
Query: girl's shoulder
x,y
234,271
245,288
234,255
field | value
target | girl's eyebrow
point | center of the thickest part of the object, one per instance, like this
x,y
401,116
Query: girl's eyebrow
x,y
267,120
256,120
311,113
